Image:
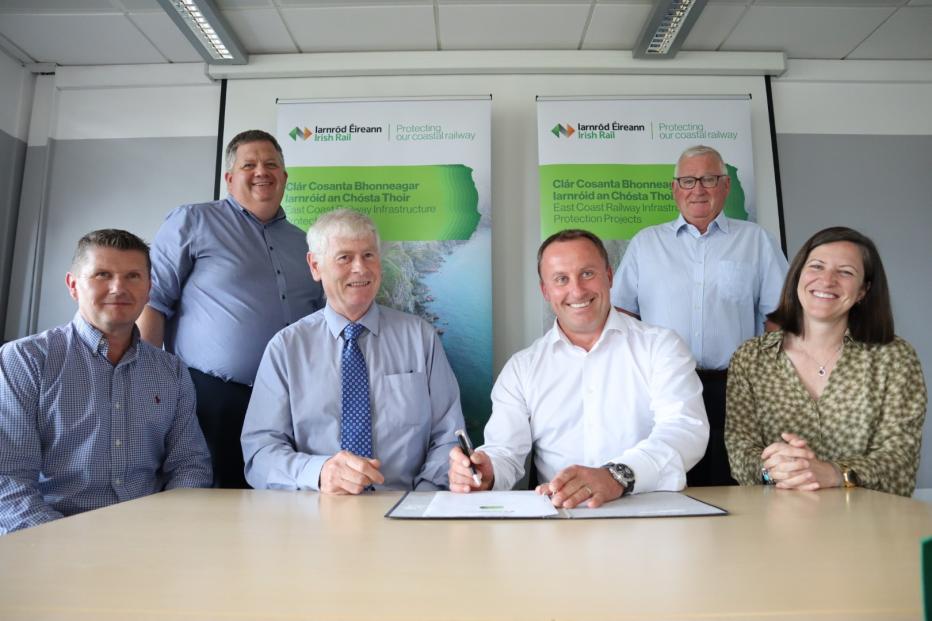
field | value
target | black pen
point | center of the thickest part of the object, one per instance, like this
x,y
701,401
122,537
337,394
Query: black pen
x,y
466,446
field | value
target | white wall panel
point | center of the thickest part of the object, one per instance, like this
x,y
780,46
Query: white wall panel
x,y
16,87
854,97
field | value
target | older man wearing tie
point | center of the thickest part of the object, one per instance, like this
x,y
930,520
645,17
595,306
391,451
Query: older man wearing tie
x,y
356,395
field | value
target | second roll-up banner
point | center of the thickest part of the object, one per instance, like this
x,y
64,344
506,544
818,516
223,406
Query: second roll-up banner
x,y
607,163
420,168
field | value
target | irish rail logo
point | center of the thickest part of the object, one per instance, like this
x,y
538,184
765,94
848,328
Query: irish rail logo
x,y
559,130
304,134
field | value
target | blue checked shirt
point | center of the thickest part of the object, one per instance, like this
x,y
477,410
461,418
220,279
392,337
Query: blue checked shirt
x,y
78,433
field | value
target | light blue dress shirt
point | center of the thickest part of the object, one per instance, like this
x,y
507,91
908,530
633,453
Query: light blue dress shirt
x,y
293,421
79,433
226,283
715,290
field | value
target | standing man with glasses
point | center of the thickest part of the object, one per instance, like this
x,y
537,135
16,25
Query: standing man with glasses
x,y
710,278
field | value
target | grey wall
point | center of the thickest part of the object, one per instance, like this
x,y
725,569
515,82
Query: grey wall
x,y
878,185
12,160
129,183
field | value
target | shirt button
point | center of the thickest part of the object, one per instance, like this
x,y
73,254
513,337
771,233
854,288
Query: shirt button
x,y
118,481
117,443
116,406
270,248
283,296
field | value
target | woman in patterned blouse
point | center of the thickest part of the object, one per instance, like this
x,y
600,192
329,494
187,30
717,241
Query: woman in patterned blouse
x,y
834,398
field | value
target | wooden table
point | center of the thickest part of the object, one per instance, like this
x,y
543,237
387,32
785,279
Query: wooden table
x,y
224,554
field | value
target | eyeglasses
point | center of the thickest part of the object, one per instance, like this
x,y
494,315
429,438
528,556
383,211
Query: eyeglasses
x,y
707,181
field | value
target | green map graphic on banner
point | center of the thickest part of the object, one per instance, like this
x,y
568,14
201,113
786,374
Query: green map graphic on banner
x,y
615,201
407,203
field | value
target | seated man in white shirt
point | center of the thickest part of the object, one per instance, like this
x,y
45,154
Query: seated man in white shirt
x,y
610,405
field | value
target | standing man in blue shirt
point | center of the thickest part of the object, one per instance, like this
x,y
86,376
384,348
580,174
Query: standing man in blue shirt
x,y
357,394
226,276
710,278
90,415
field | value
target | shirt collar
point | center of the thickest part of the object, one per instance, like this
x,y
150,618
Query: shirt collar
x,y
95,340
336,322
773,341
680,224
279,215
614,323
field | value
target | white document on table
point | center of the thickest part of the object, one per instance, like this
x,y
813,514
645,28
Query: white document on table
x,y
530,505
489,505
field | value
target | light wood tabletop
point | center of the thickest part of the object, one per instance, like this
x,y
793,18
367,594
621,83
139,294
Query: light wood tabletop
x,y
226,554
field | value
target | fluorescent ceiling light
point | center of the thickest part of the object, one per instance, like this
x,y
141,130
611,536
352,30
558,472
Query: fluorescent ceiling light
x,y
208,32
667,28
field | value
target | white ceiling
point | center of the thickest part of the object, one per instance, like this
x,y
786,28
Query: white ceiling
x,y
103,32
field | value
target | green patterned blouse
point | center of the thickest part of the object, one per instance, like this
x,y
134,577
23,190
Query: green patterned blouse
x,y
869,416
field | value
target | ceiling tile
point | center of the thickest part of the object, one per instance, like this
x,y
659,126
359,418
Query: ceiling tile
x,y
164,35
805,32
363,29
905,36
511,26
713,25
261,31
139,6
244,4
292,4
616,26
84,39
829,3
55,6
443,3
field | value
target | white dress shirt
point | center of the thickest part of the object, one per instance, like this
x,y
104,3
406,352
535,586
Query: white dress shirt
x,y
714,290
633,399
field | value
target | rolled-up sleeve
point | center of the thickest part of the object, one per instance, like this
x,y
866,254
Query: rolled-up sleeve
x,y
173,256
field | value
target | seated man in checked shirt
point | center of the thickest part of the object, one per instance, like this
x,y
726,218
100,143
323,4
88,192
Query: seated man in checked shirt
x,y
89,414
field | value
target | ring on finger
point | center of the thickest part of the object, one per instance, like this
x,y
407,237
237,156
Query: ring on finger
x,y
589,490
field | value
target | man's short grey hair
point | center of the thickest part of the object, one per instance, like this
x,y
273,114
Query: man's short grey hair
x,y
696,151
346,223
250,135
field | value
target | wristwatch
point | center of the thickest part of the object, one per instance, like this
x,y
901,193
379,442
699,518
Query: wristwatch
x,y
849,478
623,474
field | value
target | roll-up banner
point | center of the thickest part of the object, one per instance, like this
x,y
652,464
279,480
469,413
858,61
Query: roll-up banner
x,y
420,168
606,164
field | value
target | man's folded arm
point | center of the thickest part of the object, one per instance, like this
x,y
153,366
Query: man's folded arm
x,y
508,432
446,418
21,502
268,432
680,434
187,459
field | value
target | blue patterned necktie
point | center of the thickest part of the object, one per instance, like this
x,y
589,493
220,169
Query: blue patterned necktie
x,y
356,423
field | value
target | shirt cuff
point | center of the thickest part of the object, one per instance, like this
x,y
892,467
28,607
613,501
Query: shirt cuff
x,y
166,310
309,477
646,475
